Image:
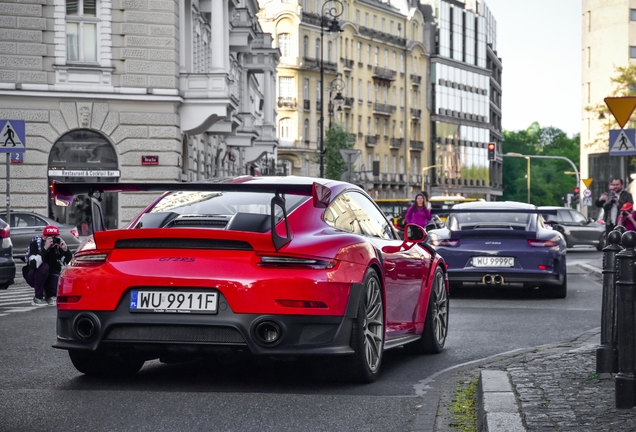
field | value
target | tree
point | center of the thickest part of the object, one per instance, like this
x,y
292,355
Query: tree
x,y
624,85
548,179
336,138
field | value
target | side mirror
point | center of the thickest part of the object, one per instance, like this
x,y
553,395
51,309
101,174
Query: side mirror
x,y
413,234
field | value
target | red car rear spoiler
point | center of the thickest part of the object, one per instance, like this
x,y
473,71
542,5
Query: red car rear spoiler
x,y
63,194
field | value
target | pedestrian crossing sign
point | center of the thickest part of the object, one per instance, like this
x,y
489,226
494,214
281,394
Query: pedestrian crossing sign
x,y
622,142
12,136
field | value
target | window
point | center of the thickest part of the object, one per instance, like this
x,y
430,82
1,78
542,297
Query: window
x,y
305,46
366,19
285,87
357,16
368,54
329,48
306,89
632,52
286,126
353,212
376,54
359,124
359,89
317,48
368,91
81,31
632,14
284,44
359,52
375,22
306,130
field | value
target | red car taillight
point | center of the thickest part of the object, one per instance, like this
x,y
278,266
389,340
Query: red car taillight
x,y
542,243
89,258
6,231
445,242
280,261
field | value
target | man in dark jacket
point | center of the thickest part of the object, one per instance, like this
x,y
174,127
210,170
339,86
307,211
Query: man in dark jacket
x,y
613,201
45,258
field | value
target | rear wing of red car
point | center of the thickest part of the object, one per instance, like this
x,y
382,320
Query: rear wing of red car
x,y
63,194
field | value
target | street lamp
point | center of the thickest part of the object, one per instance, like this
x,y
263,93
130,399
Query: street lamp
x,y
331,10
338,85
527,158
426,168
576,170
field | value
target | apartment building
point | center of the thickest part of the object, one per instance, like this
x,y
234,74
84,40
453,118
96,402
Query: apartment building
x,y
466,89
608,41
379,64
134,90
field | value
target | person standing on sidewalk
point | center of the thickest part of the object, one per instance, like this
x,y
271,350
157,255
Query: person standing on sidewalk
x,y
45,258
419,213
612,202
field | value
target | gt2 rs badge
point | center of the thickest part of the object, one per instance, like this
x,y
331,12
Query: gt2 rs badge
x,y
492,242
176,259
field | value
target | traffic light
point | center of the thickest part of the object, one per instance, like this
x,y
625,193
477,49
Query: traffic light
x,y
492,151
575,195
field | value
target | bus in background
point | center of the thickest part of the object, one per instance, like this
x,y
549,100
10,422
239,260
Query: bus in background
x,y
447,202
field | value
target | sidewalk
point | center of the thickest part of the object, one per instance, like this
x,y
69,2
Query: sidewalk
x,y
547,388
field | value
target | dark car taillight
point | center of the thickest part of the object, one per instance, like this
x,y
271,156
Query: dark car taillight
x,y
445,242
6,231
542,243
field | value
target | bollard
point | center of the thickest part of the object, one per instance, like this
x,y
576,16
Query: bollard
x,y
625,390
607,354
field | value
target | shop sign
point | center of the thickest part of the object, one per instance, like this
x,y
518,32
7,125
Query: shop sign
x,y
150,160
84,173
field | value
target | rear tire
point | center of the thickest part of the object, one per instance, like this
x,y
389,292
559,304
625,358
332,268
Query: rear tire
x,y
560,291
436,324
367,334
101,364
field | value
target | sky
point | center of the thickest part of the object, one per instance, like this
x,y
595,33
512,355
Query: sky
x,y
539,43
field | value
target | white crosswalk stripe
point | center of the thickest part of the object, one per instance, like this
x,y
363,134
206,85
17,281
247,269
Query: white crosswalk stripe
x,y
17,298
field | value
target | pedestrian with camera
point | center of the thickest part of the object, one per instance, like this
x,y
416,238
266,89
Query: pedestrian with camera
x,y
45,257
612,202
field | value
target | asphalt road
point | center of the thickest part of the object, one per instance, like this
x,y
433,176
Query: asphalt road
x,y
40,389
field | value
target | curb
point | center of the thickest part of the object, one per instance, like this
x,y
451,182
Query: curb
x,y
497,408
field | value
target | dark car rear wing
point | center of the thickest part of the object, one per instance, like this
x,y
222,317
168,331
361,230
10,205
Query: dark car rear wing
x,y
63,194
483,210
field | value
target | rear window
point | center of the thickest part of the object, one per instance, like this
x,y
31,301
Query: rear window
x,y
490,220
245,211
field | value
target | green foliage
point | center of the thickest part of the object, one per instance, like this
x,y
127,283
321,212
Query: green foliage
x,y
336,138
548,181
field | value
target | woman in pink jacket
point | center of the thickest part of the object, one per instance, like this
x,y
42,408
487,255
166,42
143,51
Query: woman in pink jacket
x,y
419,213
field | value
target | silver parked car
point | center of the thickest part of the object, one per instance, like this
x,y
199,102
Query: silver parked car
x,y
26,225
576,228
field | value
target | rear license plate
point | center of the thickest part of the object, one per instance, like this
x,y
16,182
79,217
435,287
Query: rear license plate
x,y
173,301
493,262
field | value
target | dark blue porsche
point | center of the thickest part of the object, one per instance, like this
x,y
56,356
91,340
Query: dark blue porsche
x,y
502,243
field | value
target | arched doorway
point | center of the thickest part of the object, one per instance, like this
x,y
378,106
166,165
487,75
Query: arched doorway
x,y
84,156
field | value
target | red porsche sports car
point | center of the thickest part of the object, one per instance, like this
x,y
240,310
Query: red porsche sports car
x,y
274,266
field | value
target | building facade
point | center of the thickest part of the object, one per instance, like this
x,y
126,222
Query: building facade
x,y
378,62
134,90
608,41
466,90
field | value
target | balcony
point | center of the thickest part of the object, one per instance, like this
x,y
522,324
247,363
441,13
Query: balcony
x,y
287,103
348,65
307,105
396,143
416,145
383,109
348,102
371,140
383,73
416,113
310,63
353,137
416,79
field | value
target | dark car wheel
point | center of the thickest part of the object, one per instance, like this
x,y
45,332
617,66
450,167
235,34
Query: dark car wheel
x,y
101,364
559,291
367,336
436,324
602,242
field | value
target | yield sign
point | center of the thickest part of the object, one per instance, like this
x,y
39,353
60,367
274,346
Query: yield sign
x,y
587,182
621,107
622,142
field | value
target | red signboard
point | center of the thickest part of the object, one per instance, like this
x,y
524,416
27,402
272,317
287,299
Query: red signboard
x,y
150,160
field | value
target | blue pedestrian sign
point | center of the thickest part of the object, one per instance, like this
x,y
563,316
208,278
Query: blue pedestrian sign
x,y
622,142
12,136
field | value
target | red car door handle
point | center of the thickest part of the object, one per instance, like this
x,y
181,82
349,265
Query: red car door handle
x,y
388,266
